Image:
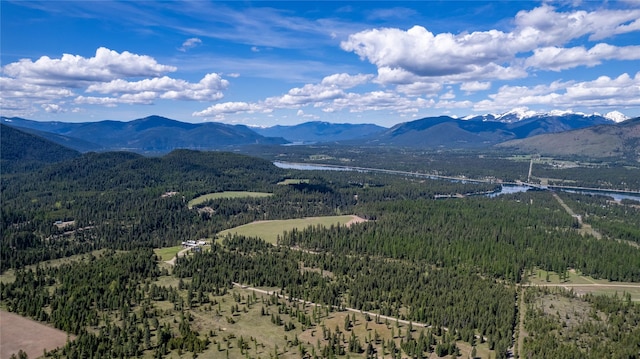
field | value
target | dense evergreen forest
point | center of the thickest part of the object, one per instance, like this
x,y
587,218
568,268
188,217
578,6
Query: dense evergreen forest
x,y
501,237
423,275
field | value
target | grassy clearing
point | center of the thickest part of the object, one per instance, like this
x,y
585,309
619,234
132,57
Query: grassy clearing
x,y
292,181
581,284
612,291
227,194
169,281
265,338
574,277
247,324
270,230
167,253
9,275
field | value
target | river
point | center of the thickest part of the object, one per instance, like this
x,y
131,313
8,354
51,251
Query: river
x,y
505,189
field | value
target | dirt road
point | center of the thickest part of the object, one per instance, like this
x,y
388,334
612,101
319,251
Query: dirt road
x,y
382,317
584,227
172,261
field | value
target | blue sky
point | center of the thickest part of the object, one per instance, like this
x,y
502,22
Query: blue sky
x,y
264,63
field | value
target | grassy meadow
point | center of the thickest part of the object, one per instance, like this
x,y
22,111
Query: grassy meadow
x,y
226,194
292,181
239,324
270,230
167,253
582,284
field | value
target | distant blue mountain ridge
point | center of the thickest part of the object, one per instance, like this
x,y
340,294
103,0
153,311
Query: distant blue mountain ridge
x,y
157,134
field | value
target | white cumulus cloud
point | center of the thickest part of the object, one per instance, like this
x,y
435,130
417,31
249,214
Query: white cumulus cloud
x,y
557,59
603,92
52,108
75,70
189,44
379,101
345,81
329,89
419,88
230,108
208,89
404,56
44,83
474,86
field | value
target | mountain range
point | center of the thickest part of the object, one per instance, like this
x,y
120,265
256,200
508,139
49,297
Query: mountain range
x,y
317,131
156,134
153,134
482,131
621,140
520,114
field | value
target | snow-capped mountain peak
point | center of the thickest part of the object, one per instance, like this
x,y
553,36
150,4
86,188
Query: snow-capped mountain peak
x,y
616,116
515,115
523,113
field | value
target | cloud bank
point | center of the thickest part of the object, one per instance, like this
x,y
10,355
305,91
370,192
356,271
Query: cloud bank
x,y
73,80
414,66
401,72
418,54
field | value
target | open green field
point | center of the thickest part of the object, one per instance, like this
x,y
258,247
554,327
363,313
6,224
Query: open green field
x,y
584,284
540,277
167,253
611,291
290,181
548,277
226,194
269,230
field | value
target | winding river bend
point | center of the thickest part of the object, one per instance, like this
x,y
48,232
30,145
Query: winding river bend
x,y
506,188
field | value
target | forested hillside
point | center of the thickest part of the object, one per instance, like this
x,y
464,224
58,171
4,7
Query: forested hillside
x,y
420,277
620,140
21,151
119,197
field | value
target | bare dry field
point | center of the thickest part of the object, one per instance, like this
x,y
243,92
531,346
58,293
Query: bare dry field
x,y
33,338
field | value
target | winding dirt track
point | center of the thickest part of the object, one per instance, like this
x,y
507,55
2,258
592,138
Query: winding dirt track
x,y
584,227
172,261
382,317
272,292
